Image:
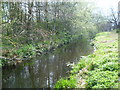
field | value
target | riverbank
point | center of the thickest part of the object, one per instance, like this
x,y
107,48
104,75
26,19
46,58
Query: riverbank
x,y
16,55
97,70
47,66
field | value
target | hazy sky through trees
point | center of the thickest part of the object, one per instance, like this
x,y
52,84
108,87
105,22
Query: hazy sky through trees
x,y
105,5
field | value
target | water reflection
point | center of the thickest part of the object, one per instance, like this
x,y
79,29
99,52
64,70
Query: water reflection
x,y
44,71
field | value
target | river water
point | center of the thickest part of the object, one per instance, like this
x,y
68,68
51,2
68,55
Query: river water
x,y
43,71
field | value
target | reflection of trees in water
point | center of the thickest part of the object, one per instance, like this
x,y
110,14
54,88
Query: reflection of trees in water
x,y
31,73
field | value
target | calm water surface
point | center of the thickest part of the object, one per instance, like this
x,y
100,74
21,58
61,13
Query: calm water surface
x,y
44,71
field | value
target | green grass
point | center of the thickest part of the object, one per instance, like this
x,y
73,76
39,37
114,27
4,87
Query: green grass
x,y
101,66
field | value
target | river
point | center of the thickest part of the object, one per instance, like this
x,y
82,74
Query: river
x,y
43,71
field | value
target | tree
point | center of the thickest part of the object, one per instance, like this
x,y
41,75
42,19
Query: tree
x,y
114,18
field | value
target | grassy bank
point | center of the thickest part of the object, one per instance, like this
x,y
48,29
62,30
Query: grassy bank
x,y
13,54
97,70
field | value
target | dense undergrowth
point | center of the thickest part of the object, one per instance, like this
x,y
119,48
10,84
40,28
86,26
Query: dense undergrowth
x,y
97,70
13,54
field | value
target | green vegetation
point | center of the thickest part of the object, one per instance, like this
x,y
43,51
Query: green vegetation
x,y
30,28
66,83
30,50
100,69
